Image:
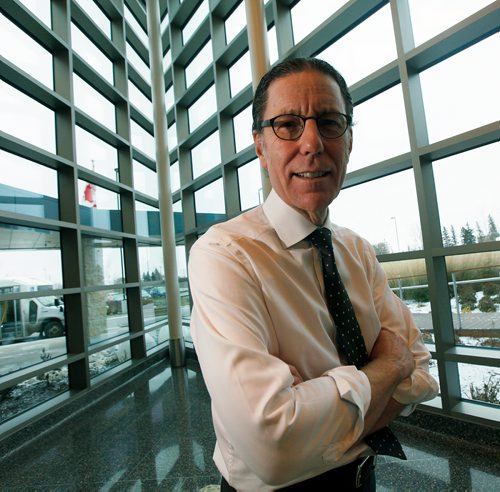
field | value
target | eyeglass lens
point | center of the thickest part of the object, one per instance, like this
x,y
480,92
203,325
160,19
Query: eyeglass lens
x,y
290,126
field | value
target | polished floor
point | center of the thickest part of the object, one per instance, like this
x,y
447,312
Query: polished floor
x,y
155,433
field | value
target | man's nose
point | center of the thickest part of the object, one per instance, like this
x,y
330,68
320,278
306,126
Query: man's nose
x,y
311,140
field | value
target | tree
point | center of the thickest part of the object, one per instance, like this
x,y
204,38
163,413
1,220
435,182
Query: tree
x,y
467,234
481,237
446,238
492,229
381,248
453,238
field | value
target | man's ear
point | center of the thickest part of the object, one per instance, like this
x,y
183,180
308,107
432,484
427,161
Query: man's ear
x,y
259,148
350,136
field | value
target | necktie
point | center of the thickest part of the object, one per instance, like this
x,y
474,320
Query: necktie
x,y
349,339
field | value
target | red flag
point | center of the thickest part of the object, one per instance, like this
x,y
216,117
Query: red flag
x,y
89,194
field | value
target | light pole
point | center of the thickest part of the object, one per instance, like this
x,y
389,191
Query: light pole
x,y
396,228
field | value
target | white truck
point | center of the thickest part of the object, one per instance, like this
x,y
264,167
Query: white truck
x,y
21,318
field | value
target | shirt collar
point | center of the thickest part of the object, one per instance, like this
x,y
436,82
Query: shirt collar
x,y
290,225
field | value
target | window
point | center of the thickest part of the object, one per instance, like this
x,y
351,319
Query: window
x,y
25,52
95,154
242,124
240,74
380,129
26,119
209,203
206,155
390,218
250,185
204,107
36,196
199,63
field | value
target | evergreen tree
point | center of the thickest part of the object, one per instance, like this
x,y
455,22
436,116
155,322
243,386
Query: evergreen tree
x,y
467,234
453,238
480,235
446,238
492,229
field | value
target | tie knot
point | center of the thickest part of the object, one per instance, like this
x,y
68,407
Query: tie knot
x,y
321,238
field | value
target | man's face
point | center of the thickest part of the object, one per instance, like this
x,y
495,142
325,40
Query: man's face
x,y
307,173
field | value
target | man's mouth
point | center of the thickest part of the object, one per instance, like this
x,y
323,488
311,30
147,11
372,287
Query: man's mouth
x,y
311,175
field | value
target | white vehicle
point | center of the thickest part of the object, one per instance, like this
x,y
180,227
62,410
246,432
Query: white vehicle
x,y
21,318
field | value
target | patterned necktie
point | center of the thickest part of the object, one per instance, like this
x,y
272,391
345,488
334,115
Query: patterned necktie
x,y
348,337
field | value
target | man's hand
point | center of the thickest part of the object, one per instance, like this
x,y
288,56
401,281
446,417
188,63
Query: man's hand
x,y
390,362
391,349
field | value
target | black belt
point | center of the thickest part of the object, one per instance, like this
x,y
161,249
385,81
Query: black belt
x,y
348,477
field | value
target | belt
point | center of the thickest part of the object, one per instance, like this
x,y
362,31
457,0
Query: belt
x,y
347,477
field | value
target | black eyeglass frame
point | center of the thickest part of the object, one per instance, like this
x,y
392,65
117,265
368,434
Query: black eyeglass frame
x,y
265,123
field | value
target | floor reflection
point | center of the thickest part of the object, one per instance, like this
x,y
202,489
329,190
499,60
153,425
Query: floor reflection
x,y
155,433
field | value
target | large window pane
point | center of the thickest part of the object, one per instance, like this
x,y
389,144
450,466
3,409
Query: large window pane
x,y
145,179
41,8
242,124
474,284
33,391
26,119
147,219
430,17
142,139
391,223
94,103
250,184
178,219
194,22
235,22
95,154
24,52
206,155
469,208
84,47
204,107
480,383
172,137
105,360
240,74
408,280
380,130
140,100
137,28
138,63
96,15
199,63
31,262
34,196
445,88
369,56
30,253
175,178
102,261
209,203
309,14
99,207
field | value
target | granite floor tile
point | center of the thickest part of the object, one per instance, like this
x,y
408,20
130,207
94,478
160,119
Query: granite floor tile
x,y
155,434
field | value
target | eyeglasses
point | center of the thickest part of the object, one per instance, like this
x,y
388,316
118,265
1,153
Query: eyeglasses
x,y
291,126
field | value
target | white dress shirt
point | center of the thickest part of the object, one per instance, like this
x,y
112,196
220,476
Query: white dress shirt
x,y
257,289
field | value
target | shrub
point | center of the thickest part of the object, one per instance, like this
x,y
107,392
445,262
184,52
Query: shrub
x,y
488,392
486,305
467,298
491,289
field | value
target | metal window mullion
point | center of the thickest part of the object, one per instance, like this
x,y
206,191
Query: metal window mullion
x,y
428,207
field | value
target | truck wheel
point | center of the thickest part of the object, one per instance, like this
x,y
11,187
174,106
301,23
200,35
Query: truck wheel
x,y
53,329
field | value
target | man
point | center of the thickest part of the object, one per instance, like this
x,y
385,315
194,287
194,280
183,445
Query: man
x,y
289,410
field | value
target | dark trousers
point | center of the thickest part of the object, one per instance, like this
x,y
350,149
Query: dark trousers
x,y
341,479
